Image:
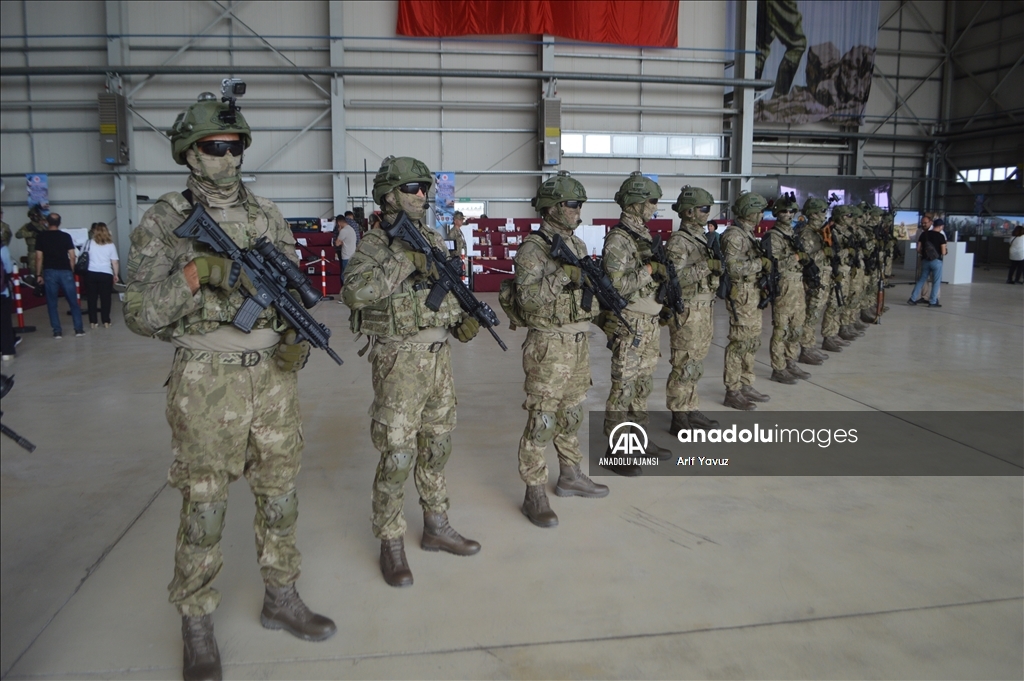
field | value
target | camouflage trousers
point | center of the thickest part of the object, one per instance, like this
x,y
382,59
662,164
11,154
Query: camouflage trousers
x,y
815,302
413,415
854,289
788,312
229,420
744,335
557,367
833,316
689,339
634,358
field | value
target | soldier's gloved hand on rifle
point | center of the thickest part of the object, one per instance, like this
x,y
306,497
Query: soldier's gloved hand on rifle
x,y
467,330
658,271
838,276
828,251
420,262
766,264
610,325
223,273
574,273
291,356
715,265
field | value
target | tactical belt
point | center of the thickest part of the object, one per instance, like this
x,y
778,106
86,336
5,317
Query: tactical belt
x,y
577,337
434,347
246,359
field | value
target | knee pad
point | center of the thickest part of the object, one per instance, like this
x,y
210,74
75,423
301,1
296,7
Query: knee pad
x,y
693,370
397,466
278,514
204,522
569,419
541,427
644,386
621,395
436,450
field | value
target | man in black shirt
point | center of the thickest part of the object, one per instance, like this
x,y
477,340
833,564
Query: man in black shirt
x,y
931,250
55,260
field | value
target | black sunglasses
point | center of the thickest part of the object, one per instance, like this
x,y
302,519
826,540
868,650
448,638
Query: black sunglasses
x,y
414,187
653,202
784,210
572,204
221,147
704,209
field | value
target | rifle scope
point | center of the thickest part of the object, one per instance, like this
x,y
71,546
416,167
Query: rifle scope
x,y
295,278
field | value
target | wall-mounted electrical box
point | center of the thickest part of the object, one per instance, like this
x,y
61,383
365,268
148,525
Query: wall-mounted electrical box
x,y
114,119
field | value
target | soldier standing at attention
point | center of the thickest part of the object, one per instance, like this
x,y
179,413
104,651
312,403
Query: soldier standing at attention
x,y
690,333
556,353
413,410
232,402
454,235
627,261
789,306
744,263
846,234
816,245
35,226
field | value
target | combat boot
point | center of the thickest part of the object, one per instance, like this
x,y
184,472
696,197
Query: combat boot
x,y
393,564
438,535
572,482
536,507
626,470
201,661
699,420
653,449
737,400
796,371
752,395
808,357
680,421
815,352
832,344
848,334
783,376
860,327
868,317
284,609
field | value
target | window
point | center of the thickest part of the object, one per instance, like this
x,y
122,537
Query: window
x,y
598,144
972,175
641,146
624,145
572,144
987,174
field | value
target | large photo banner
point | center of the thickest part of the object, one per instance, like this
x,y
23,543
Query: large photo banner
x,y
821,54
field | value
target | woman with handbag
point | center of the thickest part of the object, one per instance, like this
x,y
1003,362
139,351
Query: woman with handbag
x,y
102,272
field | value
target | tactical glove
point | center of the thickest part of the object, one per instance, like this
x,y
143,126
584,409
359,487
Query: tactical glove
x,y
828,251
574,273
467,330
658,271
223,273
291,356
766,264
610,325
715,265
838,276
422,265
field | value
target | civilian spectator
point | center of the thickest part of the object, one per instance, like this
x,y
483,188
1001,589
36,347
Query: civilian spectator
x,y
345,241
55,262
713,236
931,249
1016,273
103,272
6,305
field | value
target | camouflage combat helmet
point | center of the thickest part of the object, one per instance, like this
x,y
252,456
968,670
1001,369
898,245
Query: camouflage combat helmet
x,y
396,171
559,188
875,212
691,197
637,189
784,202
814,206
846,211
748,203
202,119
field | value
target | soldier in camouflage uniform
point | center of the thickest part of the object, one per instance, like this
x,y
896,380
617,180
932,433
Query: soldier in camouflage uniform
x,y
454,235
232,402
744,263
556,353
846,235
788,308
627,261
817,245
35,226
413,410
5,232
871,228
690,333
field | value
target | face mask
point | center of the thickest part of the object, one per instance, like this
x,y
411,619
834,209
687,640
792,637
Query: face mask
x,y
221,171
564,217
414,205
643,211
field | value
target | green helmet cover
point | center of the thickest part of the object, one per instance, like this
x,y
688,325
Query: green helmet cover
x,y
203,119
637,189
784,203
691,197
849,211
557,189
396,171
812,206
748,204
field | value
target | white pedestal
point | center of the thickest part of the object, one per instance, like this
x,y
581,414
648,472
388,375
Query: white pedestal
x,y
958,265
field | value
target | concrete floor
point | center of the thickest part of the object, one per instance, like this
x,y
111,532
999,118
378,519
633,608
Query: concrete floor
x,y
741,577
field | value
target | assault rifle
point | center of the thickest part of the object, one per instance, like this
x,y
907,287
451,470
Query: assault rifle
x,y
271,274
6,383
768,282
595,281
811,272
832,241
724,282
670,292
449,276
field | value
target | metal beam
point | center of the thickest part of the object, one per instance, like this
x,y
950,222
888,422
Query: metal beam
x,y
339,152
992,93
126,207
742,144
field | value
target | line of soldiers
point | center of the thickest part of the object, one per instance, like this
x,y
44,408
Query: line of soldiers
x,y
232,402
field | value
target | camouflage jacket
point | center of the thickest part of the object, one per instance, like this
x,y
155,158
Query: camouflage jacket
x,y
387,295
158,301
785,250
843,239
742,253
547,297
455,235
689,251
812,241
627,251
29,231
